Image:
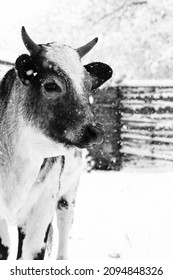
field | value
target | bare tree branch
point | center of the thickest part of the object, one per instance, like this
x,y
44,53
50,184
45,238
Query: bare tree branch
x,y
115,10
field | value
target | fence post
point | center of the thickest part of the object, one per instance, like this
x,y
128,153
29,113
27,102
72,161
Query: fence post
x,y
117,139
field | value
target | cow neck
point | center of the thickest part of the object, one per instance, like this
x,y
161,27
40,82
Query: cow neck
x,y
18,166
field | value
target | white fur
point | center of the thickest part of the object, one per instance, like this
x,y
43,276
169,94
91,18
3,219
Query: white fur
x,y
42,204
68,59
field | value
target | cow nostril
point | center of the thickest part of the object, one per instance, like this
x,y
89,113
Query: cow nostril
x,y
96,135
92,132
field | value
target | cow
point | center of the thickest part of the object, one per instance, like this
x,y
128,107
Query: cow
x,y
45,121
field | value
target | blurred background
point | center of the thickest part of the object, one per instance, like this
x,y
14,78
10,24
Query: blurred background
x,y
135,36
135,39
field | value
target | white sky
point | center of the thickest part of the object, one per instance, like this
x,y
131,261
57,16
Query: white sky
x,y
20,10
13,15
37,17
33,15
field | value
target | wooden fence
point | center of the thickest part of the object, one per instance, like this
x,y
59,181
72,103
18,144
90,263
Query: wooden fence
x,y
138,119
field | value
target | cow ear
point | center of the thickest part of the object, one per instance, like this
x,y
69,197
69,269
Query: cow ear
x,y
25,68
100,73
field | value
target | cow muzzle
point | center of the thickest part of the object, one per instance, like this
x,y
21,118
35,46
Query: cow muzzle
x,y
93,134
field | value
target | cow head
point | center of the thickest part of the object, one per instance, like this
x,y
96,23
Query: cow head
x,y
57,88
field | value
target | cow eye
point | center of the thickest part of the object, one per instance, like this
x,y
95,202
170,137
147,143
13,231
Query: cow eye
x,y
52,87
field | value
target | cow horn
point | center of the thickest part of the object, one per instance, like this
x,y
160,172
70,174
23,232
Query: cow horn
x,y
86,48
32,47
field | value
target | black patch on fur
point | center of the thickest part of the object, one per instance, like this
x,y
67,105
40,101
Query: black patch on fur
x,y
47,233
21,237
4,251
5,89
25,63
63,162
53,117
41,254
46,167
100,73
43,164
62,168
62,204
62,165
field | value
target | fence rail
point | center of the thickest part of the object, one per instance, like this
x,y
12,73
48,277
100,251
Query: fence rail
x,y
147,123
140,128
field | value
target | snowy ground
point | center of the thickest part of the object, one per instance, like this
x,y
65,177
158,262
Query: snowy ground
x,y
123,215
